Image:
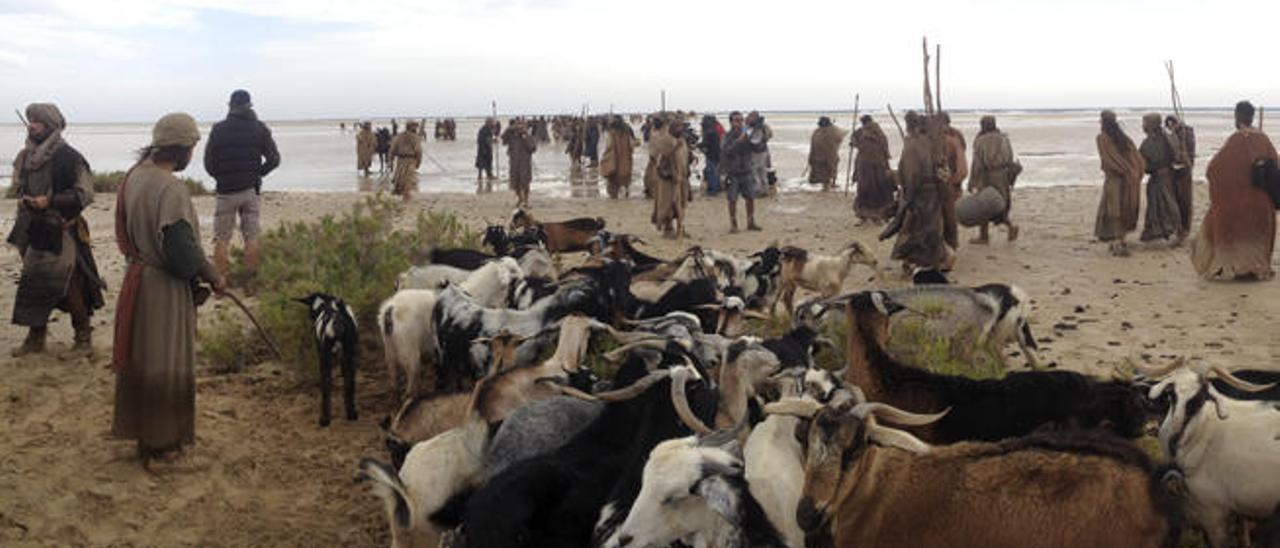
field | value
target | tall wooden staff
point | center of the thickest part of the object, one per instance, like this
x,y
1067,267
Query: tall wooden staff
x,y
848,178
901,133
496,145
937,71
1173,92
928,93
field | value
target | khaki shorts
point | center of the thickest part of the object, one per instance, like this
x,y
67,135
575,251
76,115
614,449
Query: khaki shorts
x,y
246,204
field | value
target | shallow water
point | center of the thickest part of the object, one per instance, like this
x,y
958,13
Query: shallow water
x,y
1056,148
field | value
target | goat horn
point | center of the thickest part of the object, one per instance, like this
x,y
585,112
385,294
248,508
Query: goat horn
x,y
794,407
679,376
1156,372
635,389
891,437
575,393
897,416
755,315
620,352
859,397
1237,382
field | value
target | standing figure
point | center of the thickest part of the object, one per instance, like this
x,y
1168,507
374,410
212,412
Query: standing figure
x,y
957,170
1238,233
1122,168
1183,138
366,146
406,150
875,199
712,133
824,153
739,177
1163,220
920,241
383,136
671,187
158,231
619,149
520,148
54,186
657,137
484,149
994,166
591,147
240,152
759,135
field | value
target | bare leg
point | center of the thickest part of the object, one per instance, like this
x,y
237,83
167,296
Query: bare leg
x,y
220,261
733,216
751,214
983,236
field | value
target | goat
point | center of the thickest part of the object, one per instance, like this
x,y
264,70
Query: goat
x,y
694,491
419,419
1227,456
991,315
466,259
700,297
821,273
619,247
775,462
336,336
537,429
563,236
986,409
490,284
528,247
870,485
408,337
755,277
431,276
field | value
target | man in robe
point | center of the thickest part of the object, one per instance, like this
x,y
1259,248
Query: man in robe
x,y
366,146
957,170
919,225
824,153
1122,168
657,137
712,133
591,147
54,186
1163,220
737,170
1183,138
671,189
158,231
406,150
521,145
875,193
484,151
1238,233
994,166
616,165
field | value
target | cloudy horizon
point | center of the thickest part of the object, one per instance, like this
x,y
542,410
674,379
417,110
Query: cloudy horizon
x,y
132,60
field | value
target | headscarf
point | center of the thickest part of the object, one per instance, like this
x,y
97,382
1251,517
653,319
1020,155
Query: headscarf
x,y
34,155
988,124
1111,127
1151,122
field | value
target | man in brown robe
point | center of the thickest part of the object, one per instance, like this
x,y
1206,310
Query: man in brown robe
x,y
1183,138
658,137
158,231
957,171
521,145
616,164
920,240
671,189
1238,233
54,186
1122,168
824,153
1163,220
366,145
994,166
875,198
406,149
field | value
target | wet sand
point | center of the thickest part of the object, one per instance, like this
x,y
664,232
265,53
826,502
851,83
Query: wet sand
x,y
263,474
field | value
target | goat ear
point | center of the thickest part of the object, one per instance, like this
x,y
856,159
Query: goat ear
x,y
719,496
1217,398
1159,389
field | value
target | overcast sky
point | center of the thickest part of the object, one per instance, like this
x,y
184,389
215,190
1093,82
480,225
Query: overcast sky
x,y
132,60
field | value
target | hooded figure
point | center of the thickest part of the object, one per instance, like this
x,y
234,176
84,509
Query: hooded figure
x,y
406,149
619,149
1122,168
366,146
824,153
54,185
875,196
920,241
994,166
1163,220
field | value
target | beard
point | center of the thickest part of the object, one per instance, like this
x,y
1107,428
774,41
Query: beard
x,y
37,136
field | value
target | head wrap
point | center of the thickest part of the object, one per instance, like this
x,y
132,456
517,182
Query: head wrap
x,y
988,123
1150,121
175,129
47,114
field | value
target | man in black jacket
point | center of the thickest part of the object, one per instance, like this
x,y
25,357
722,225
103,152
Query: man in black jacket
x,y
239,154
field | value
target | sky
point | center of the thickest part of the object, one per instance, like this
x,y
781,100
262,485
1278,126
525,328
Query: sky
x,y
133,60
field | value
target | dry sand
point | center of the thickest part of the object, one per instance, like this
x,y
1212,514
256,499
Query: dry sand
x,y
263,474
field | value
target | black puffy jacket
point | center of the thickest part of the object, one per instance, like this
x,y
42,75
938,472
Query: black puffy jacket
x,y
240,152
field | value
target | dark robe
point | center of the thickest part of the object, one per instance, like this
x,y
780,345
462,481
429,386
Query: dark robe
x,y
875,199
520,148
1163,220
484,148
920,242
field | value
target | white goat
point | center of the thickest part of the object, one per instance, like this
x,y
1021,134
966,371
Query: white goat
x,y
490,284
1227,450
823,274
537,263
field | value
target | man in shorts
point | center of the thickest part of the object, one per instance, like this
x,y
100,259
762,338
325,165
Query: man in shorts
x,y
239,154
737,168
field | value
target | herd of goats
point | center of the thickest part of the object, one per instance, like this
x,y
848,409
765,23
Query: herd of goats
x,y
708,436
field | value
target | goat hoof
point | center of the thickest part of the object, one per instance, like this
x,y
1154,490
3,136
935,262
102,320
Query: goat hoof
x,y
352,415
324,421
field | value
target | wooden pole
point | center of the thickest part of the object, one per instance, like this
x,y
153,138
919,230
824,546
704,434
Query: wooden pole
x,y
664,101
901,133
496,140
928,94
937,72
848,178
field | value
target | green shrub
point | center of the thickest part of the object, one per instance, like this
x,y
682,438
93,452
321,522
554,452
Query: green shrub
x,y
355,257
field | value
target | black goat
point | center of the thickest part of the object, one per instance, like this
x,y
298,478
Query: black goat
x,y
695,296
987,409
466,259
554,499
510,243
795,348
336,337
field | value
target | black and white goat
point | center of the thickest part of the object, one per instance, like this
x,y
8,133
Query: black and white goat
x,y
989,316
334,326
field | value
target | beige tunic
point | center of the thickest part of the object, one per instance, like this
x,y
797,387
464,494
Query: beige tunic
x,y
155,394
671,182
993,167
366,145
407,150
616,164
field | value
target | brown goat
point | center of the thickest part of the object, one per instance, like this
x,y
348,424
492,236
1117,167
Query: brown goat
x,y
562,236
870,485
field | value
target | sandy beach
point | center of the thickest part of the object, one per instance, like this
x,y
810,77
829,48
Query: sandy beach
x,y
263,474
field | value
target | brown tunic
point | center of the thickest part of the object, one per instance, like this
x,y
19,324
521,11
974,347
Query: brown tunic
x,y
824,155
155,393
1163,220
1121,189
875,199
993,166
520,149
920,243
366,146
958,171
1238,233
406,148
616,165
671,185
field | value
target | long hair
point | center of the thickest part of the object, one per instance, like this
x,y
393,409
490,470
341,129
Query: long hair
x,y
1112,129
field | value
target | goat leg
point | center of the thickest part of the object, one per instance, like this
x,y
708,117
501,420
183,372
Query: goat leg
x,y
349,382
326,384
